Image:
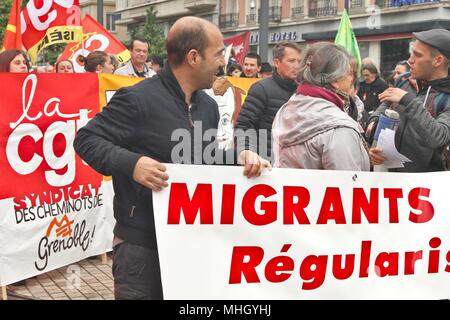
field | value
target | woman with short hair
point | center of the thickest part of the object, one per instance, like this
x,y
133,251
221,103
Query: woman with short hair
x,y
313,130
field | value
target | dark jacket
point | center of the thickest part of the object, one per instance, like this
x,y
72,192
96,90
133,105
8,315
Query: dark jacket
x,y
138,121
368,93
424,127
262,103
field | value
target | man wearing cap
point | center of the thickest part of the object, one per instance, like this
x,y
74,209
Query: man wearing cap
x,y
424,128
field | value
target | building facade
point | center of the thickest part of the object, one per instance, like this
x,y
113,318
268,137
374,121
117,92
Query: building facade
x,y
109,16
383,27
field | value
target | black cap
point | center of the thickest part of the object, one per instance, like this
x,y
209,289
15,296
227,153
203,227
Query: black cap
x,y
437,38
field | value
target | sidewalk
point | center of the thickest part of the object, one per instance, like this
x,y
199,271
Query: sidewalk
x,y
88,279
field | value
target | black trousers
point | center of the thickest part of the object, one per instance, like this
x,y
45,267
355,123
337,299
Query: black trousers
x,y
136,272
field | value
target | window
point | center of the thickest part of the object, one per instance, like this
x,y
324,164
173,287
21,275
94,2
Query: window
x,y
297,8
232,6
111,21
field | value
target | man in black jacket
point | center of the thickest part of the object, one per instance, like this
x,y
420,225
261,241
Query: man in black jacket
x,y
131,138
371,87
263,101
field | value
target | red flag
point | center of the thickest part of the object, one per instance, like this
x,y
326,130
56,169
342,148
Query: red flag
x,y
95,37
48,22
241,45
13,34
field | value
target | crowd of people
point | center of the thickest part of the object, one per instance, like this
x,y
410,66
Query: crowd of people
x,y
311,111
140,65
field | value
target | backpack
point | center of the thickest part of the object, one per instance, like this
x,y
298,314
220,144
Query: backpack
x,y
441,102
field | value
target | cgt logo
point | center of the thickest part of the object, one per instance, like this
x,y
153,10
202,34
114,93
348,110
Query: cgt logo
x,y
40,117
44,14
22,131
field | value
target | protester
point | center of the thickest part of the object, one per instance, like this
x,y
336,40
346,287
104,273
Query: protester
x,y
41,69
131,138
312,130
367,60
64,66
14,60
266,97
234,70
401,67
114,62
424,127
137,66
266,70
156,63
232,60
371,87
97,61
251,65
356,108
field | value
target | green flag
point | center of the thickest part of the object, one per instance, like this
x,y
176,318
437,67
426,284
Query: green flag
x,y
345,37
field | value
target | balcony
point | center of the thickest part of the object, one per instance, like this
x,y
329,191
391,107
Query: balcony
x,y
297,12
199,5
357,6
229,20
322,8
400,3
251,18
275,14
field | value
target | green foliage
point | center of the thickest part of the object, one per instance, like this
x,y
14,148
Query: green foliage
x,y
5,8
152,33
51,53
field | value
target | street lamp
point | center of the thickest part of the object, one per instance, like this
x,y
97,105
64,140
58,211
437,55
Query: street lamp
x,y
263,28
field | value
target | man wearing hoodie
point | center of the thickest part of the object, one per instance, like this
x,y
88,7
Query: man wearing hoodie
x,y
424,128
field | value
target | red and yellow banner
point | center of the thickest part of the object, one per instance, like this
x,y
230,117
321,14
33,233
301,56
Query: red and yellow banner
x,y
95,37
47,22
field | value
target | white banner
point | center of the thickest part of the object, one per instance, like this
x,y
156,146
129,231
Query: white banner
x,y
45,236
303,234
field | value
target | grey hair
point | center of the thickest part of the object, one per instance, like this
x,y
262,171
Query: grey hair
x,y
323,64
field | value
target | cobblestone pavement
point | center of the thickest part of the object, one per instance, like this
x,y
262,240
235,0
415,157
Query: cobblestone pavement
x,y
88,279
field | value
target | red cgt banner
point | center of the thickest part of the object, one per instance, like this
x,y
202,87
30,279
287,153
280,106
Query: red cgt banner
x,y
95,37
47,22
40,116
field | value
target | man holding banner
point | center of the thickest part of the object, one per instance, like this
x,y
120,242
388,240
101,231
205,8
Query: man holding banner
x,y
132,137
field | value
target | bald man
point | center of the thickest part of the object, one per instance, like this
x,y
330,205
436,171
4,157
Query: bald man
x,y
131,138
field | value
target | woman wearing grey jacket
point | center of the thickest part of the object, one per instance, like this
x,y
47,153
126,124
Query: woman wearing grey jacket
x,y
313,130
